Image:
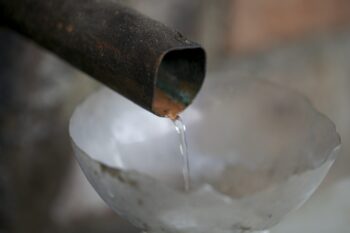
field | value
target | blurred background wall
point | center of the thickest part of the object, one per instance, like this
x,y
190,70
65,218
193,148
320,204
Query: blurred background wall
x,y
303,44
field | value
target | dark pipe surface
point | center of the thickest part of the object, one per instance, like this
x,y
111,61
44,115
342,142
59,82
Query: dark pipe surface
x,y
150,64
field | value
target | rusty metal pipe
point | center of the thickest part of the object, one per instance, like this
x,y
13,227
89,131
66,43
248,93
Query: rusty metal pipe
x,y
148,63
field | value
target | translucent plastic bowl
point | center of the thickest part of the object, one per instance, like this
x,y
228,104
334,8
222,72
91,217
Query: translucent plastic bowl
x,y
257,151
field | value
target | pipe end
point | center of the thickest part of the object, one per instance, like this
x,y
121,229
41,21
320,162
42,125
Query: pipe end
x,y
179,78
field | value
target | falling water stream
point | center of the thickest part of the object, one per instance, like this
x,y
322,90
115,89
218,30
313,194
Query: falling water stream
x,y
181,130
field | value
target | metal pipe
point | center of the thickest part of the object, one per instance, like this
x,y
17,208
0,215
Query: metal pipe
x,y
148,63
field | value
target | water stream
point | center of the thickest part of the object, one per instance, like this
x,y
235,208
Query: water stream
x,y
181,130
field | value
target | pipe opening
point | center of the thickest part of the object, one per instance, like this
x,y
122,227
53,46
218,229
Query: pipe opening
x,y
180,77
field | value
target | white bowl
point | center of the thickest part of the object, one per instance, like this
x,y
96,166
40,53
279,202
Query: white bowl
x,y
257,151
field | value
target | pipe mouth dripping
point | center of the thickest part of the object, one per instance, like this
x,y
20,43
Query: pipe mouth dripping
x,y
179,79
